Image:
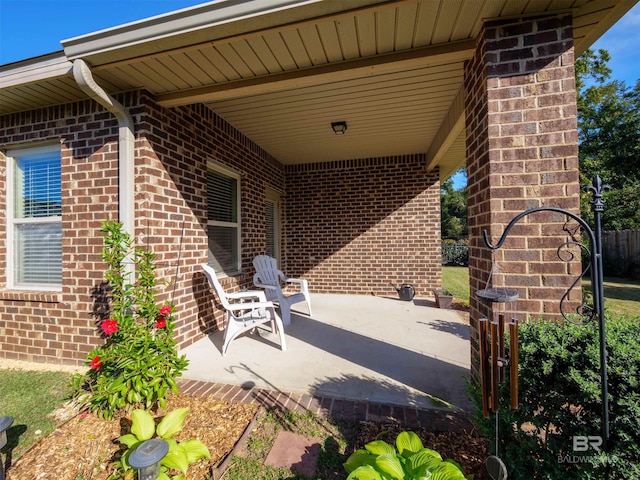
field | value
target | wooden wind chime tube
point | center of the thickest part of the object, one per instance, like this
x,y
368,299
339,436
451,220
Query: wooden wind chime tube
x,y
493,361
495,366
501,355
513,361
484,362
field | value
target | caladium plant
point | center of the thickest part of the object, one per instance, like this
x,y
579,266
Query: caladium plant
x,y
411,461
180,455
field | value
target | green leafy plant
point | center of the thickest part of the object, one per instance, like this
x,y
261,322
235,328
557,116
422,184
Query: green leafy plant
x,y
411,461
560,399
138,363
180,455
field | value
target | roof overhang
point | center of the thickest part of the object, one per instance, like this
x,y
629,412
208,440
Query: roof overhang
x,y
282,70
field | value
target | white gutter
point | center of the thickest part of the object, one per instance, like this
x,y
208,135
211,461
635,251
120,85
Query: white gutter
x,y
126,142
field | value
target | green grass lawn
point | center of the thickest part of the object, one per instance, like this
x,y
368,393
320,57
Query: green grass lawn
x,y
29,397
456,280
621,296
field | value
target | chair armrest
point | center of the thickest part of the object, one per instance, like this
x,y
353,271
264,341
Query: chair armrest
x,y
250,305
259,294
304,285
258,283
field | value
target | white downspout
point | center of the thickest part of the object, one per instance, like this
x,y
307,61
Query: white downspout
x,y
126,142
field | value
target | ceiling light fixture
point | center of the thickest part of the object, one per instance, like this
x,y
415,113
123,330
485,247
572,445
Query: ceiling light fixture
x,y
339,128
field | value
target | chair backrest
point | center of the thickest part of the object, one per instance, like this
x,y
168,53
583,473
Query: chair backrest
x,y
267,269
215,283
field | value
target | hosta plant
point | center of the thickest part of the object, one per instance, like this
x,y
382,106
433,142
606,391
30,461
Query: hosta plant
x,y
180,455
411,461
137,365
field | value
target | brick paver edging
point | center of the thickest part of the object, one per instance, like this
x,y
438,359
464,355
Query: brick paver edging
x,y
339,409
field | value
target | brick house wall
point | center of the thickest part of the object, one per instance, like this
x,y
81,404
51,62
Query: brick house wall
x,y
357,226
178,143
171,150
58,327
522,153
366,223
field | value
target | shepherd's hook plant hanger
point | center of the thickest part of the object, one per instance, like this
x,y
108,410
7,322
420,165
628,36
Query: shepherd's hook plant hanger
x,y
584,312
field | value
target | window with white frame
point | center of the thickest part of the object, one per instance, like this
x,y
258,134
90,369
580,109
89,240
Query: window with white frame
x,y
223,207
34,214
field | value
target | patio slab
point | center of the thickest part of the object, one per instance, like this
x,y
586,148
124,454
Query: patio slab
x,y
367,348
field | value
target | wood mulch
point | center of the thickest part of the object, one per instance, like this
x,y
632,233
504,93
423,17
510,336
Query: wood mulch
x,y
84,446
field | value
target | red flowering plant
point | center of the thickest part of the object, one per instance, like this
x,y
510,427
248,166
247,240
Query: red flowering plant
x,y
137,365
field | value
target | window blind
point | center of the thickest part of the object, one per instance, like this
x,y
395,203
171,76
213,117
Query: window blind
x,y
223,220
38,254
271,228
222,194
38,187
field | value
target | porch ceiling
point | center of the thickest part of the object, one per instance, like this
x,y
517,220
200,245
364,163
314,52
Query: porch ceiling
x,y
282,70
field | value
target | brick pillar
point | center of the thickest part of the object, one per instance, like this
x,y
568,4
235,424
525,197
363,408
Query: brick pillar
x,y
522,153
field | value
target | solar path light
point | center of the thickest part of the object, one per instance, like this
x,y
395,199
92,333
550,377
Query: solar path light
x,y
146,458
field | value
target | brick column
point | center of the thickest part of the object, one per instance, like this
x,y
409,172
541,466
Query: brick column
x,y
522,152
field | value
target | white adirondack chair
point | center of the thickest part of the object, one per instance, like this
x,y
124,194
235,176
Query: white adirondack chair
x,y
252,309
268,276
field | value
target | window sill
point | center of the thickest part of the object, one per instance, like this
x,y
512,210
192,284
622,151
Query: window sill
x,y
30,296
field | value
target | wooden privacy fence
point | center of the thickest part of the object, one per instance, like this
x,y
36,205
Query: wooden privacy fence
x,y
621,253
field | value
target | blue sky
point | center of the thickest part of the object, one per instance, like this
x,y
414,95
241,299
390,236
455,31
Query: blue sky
x,y
29,28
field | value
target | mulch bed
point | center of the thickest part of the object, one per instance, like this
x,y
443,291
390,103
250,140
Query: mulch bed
x,y
84,446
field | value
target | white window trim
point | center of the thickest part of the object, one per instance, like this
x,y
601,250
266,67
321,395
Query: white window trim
x,y
11,221
238,225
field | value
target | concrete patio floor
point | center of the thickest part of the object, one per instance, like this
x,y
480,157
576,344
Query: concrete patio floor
x,y
376,349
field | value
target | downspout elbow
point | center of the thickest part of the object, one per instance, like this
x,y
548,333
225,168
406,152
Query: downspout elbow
x,y
126,142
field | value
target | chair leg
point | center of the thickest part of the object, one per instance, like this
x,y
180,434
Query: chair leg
x,y
230,333
308,303
285,311
280,327
304,288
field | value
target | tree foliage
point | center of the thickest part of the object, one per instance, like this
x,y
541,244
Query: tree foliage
x,y
609,139
453,205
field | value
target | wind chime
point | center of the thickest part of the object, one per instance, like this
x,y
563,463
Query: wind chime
x,y
493,359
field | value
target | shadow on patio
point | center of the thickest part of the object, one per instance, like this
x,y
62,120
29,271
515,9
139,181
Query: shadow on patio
x,y
355,348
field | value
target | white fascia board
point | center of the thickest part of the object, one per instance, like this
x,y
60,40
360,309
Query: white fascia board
x,y
170,26
34,70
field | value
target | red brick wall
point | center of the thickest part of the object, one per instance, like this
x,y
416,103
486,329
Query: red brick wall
x,y
356,226
522,153
59,327
172,147
176,145
350,227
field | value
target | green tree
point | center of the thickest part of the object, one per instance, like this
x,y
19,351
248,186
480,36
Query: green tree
x,y
609,139
453,205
